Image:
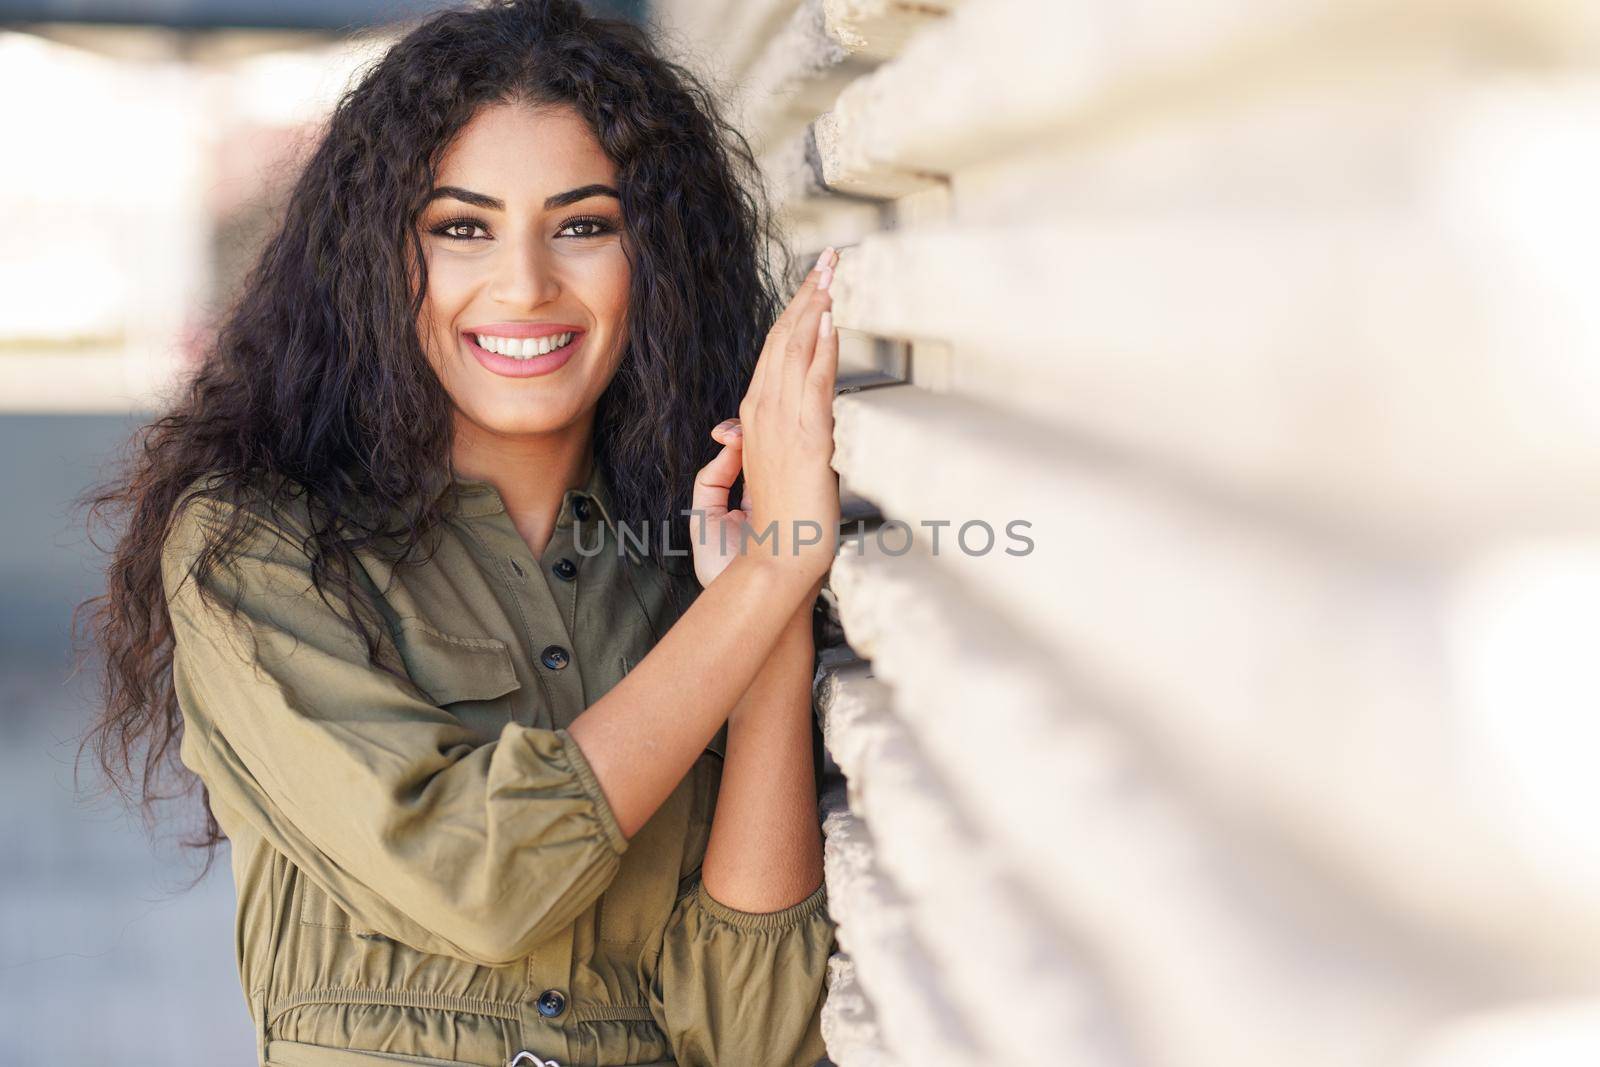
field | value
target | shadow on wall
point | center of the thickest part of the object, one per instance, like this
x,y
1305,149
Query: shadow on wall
x,y
98,939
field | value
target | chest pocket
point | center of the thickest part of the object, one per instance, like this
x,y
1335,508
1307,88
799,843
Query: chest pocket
x,y
451,668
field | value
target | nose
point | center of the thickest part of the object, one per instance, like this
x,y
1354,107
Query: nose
x,y
525,276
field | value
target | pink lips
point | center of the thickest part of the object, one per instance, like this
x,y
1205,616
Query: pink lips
x,y
532,366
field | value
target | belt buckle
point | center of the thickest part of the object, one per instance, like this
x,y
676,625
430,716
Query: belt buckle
x,y
528,1059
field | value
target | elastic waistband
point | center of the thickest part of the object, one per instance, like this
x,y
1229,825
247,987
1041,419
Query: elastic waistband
x,y
281,1053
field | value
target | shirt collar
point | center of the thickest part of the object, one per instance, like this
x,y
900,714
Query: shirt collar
x,y
476,497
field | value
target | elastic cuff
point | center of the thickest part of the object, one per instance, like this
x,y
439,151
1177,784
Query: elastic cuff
x,y
793,915
591,786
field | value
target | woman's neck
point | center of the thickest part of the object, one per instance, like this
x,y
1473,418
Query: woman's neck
x,y
532,473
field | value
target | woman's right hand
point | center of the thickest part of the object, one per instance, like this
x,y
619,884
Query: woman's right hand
x,y
787,421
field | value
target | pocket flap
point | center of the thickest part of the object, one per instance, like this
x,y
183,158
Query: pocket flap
x,y
452,667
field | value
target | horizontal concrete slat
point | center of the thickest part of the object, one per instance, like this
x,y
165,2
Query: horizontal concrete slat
x,y
1387,373
881,29
964,90
799,72
1309,690
821,48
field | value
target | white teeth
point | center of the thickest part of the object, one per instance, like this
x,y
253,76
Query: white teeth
x,y
523,347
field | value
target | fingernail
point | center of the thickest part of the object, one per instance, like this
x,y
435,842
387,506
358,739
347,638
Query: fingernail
x,y
822,260
736,429
827,278
827,323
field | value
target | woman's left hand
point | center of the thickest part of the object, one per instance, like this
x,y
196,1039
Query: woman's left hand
x,y
717,542
715,528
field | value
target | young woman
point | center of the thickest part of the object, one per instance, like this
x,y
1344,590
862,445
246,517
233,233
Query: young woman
x,y
502,783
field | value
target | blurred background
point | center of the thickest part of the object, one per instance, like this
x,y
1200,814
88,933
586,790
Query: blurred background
x,y
1274,320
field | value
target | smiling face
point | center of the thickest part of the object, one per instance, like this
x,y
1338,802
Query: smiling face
x,y
525,316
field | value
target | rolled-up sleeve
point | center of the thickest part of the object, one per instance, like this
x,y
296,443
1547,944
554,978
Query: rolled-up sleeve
x,y
735,987
415,828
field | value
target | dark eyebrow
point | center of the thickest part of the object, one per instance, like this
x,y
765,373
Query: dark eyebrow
x,y
489,203
582,192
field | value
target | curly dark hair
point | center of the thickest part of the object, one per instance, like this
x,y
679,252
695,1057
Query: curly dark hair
x,y
316,383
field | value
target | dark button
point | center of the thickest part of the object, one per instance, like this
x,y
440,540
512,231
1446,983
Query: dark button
x,y
552,1002
555,657
565,569
580,507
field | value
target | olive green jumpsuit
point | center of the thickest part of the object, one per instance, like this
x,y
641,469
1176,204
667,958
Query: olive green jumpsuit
x,y
427,870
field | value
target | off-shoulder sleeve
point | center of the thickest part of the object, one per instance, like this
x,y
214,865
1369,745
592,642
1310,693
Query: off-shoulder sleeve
x,y
478,851
735,987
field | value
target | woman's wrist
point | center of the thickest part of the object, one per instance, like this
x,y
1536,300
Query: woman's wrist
x,y
796,636
789,662
785,678
785,583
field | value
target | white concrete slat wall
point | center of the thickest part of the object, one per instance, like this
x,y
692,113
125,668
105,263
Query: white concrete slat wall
x,y
850,1027
1243,652
885,952
978,924
1116,860
1273,320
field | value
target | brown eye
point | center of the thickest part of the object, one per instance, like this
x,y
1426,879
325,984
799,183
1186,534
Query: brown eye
x,y
596,227
456,229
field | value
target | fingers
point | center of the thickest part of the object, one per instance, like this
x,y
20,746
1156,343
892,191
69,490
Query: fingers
x,y
800,348
784,325
814,279
715,479
728,432
817,406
